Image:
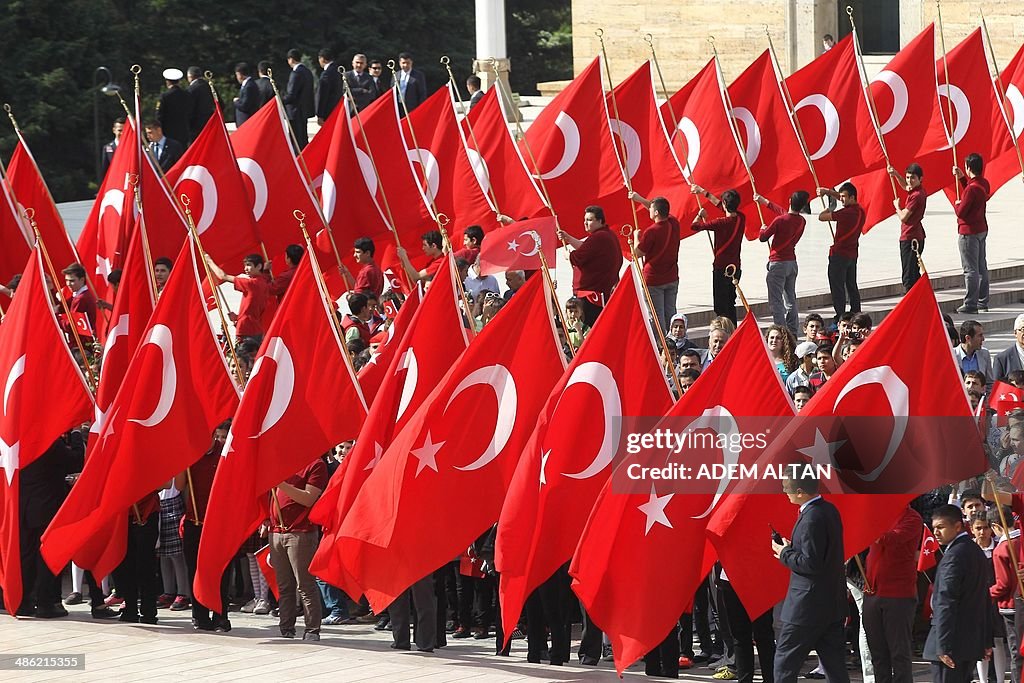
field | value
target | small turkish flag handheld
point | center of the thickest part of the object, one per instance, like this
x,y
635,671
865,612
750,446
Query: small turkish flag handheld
x,y
392,282
373,374
643,554
437,469
300,401
518,246
418,361
35,367
929,546
1004,399
618,372
263,559
176,390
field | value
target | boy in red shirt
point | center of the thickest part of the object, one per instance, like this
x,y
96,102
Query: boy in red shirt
x,y
255,291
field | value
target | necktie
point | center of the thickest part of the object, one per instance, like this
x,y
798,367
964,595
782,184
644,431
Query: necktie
x,y
404,82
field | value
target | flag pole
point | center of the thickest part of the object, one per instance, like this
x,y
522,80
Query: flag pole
x,y
558,307
1002,94
871,101
863,572
788,99
950,131
185,201
687,171
730,272
1006,529
192,495
30,215
627,232
620,146
442,221
727,102
915,246
133,180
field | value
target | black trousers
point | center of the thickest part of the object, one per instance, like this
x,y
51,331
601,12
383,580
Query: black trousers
x,y
664,659
723,293
201,614
298,125
842,281
136,576
499,631
550,607
590,311
442,577
591,640
40,587
911,270
745,633
889,626
795,643
963,673
421,594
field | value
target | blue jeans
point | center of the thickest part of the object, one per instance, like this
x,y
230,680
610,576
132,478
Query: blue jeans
x,y
975,263
781,281
335,600
664,299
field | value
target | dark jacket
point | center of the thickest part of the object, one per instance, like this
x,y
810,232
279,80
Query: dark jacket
x,y
266,89
173,113
415,88
298,96
202,105
960,604
364,90
249,101
331,91
42,486
817,582
171,152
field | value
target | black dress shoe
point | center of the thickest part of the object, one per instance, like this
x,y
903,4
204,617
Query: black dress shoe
x,y
50,612
148,620
202,625
104,612
129,618
382,624
424,649
396,646
586,660
814,675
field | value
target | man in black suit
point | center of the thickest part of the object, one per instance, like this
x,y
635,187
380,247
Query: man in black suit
x,y
815,606
364,90
249,100
1010,359
378,82
165,150
111,147
473,85
331,90
961,634
174,108
412,84
263,83
202,101
298,97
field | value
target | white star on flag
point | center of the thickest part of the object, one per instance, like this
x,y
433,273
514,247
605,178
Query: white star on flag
x,y
654,509
513,245
822,452
9,459
425,454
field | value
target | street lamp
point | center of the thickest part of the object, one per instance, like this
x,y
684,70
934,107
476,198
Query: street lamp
x,y
110,89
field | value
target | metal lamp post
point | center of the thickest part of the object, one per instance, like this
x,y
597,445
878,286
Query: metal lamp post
x,y
110,89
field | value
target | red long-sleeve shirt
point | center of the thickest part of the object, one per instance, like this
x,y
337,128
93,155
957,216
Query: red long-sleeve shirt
x,y
970,212
1006,586
728,232
892,559
595,265
849,224
785,231
912,228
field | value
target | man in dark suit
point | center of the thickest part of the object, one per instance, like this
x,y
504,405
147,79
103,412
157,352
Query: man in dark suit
x,y
249,100
202,101
364,90
331,90
165,150
815,606
473,84
378,81
174,108
1008,360
298,97
961,633
263,83
111,147
412,84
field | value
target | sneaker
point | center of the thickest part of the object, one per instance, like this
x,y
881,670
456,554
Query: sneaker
x,y
288,634
180,604
517,634
198,625
382,623
262,607
275,612
966,309
685,663
104,612
222,626
165,601
249,606
335,619
312,637
480,634
606,653
449,626
462,632
74,598
113,600
724,674
148,620
982,309
367,618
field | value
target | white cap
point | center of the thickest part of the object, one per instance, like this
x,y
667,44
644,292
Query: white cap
x,y
806,348
173,75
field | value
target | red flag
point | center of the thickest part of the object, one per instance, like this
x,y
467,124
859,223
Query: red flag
x,y
418,362
648,549
442,167
572,143
165,223
373,374
498,160
14,237
300,401
926,558
1007,165
313,157
904,426
518,246
639,134
436,468
562,469
37,367
263,559
176,390
1005,398
829,103
703,138
209,175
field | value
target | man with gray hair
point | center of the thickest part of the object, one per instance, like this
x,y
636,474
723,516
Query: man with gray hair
x,y
514,279
360,83
1008,360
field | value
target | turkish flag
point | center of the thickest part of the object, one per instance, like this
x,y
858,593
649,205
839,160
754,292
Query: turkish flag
x,y
518,246
762,121
166,228
929,546
103,243
616,372
437,469
14,237
418,361
571,141
375,372
1004,399
37,367
702,136
222,210
498,159
1005,166
176,390
640,138
643,554
274,180
893,422
300,401
441,165
263,560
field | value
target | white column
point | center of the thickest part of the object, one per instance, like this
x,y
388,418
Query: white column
x,y
490,43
